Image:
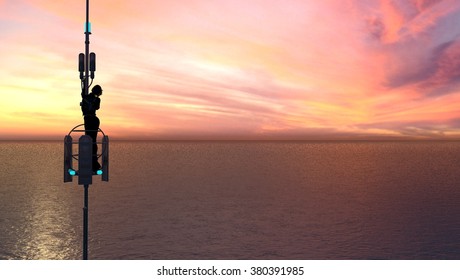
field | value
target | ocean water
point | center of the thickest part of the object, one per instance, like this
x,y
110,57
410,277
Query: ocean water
x,y
236,200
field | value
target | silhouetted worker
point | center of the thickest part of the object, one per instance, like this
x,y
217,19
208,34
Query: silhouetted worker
x,y
89,104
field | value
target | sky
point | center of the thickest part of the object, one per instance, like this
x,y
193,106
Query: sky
x,y
233,69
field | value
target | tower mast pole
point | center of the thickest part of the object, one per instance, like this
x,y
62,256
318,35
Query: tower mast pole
x,y
87,33
86,85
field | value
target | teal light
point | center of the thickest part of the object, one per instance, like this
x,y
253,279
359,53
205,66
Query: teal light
x,y
99,172
72,172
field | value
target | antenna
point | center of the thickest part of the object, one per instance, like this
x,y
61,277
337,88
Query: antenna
x,y
81,64
92,64
86,61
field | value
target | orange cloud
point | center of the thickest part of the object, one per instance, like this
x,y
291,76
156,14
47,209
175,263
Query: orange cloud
x,y
248,68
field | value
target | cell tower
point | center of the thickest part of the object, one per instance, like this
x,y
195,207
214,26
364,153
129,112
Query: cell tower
x,y
84,157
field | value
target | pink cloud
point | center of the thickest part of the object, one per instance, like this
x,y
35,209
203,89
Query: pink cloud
x,y
243,67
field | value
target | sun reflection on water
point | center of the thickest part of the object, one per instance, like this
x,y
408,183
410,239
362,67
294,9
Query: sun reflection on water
x,y
47,232
40,213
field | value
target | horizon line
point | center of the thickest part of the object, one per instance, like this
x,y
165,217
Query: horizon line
x,y
268,139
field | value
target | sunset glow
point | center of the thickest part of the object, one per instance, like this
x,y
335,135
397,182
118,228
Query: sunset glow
x,y
230,69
